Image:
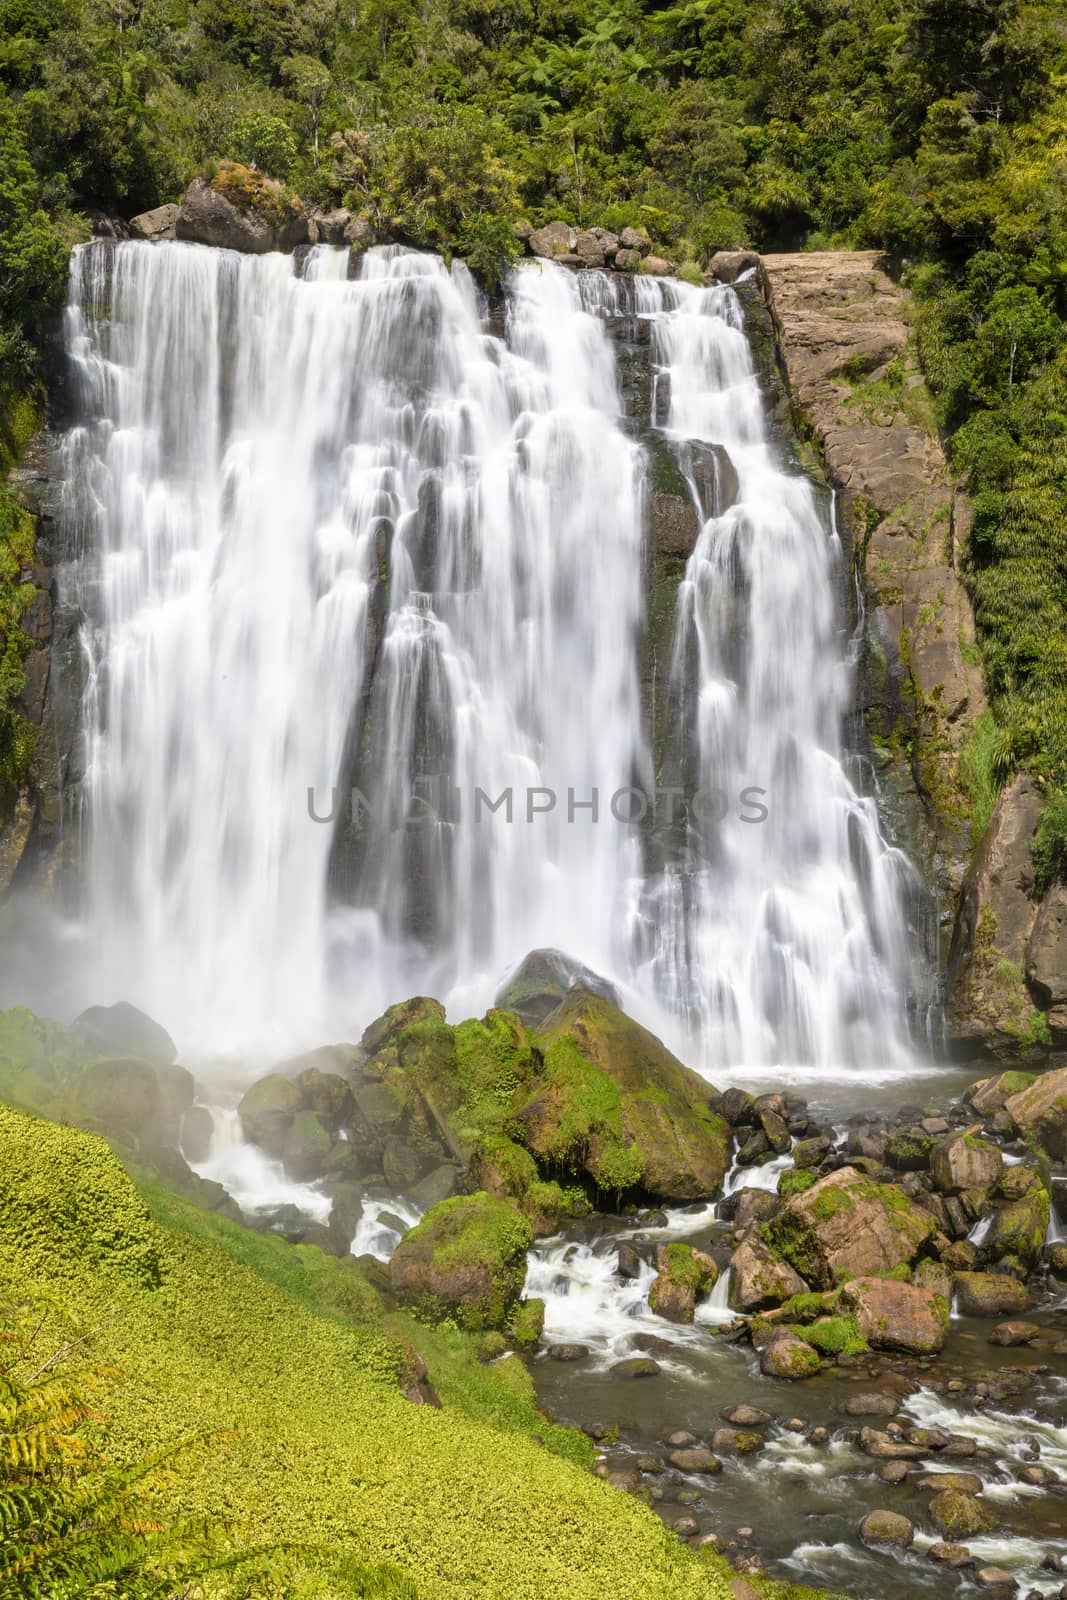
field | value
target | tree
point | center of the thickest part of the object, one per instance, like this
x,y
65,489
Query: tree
x,y
310,82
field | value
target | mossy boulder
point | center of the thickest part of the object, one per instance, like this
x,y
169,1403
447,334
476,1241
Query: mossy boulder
x,y
527,1323
959,1516
966,1162
788,1356
267,1111
990,1094
848,1226
990,1294
683,1275
1040,1111
759,1279
466,1260
132,1101
1019,1229
896,1316
242,209
122,1030
888,1529
618,1108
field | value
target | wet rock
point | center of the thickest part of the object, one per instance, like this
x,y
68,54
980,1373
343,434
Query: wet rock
x,y
745,1416
894,1472
466,1259
966,1162
1011,1334
197,1132
554,240
542,980
306,1147
846,1226
636,1367
684,1275
675,524
1041,1112
327,1094
159,223
887,1528
678,1438
652,1344
753,1149
694,1458
952,1556
943,1482
1057,1259
1039,1477
665,1135
738,1107
438,1185
629,1263
884,1447
123,1030
728,265
989,1294
1018,1230
759,1279
895,1316
959,1516
995,1578
267,1110
788,1357
737,1441
874,1404
686,1527
808,1153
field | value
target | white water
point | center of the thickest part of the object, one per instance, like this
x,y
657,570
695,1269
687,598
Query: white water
x,y
256,451
252,1179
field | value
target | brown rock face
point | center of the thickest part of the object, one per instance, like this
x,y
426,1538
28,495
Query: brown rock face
x,y
965,1163
675,524
990,1294
895,1316
1046,956
845,1226
996,916
158,223
758,1280
841,319
728,265
1041,1110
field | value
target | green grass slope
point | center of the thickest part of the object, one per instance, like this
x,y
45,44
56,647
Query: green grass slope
x,y
216,1329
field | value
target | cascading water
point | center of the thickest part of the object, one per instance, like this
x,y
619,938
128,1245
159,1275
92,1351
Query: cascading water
x,y
338,535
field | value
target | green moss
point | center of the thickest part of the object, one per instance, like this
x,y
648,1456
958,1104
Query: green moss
x,y
795,1181
319,1445
465,1259
590,1109
833,1336
527,1323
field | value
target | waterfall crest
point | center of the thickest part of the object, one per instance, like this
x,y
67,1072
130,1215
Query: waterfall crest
x,y
355,535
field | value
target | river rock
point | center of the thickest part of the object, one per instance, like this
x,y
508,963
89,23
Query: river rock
x,y
636,1367
787,1356
893,1471
694,1458
653,1122
737,1441
1012,1334
745,1416
875,1404
887,1528
965,1162
1041,1111
122,1030
684,1275
895,1316
1018,1230
159,223
267,1110
943,1482
554,240
758,1279
542,980
958,1515
952,1556
847,1226
884,1447
996,1578
568,1352
466,1259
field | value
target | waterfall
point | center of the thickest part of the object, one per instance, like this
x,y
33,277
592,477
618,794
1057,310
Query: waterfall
x,y
354,548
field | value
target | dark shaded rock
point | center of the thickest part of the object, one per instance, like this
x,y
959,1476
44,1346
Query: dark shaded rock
x,y
122,1030
267,1110
636,1367
437,1185
629,1262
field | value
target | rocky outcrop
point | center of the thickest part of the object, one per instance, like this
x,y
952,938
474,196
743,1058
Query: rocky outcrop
x,y
997,911
466,1259
1046,957
758,1279
122,1029
1040,1111
846,1226
542,980
159,223
895,1316
855,384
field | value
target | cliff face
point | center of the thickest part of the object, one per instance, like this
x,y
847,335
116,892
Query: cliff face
x,y
857,392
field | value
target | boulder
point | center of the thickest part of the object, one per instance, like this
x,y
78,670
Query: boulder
x,y
684,1275
694,1459
386,1028
887,1528
675,525
328,227
207,216
627,261
990,1094
787,1356
848,1226
1018,1230
998,1578
554,240
132,1101
305,1147
745,1416
122,1030
636,1367
990,1294
895,1316
884,1447
965,1162
267,1110
959,1516
737,1441
635,239
657,266
728,265
466,1260
942,1482
758,1279
616,1106
159,223
328,1095
875,1404
1012,1334
542,980
1046,956
1041,1112
952,1556
197,1133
